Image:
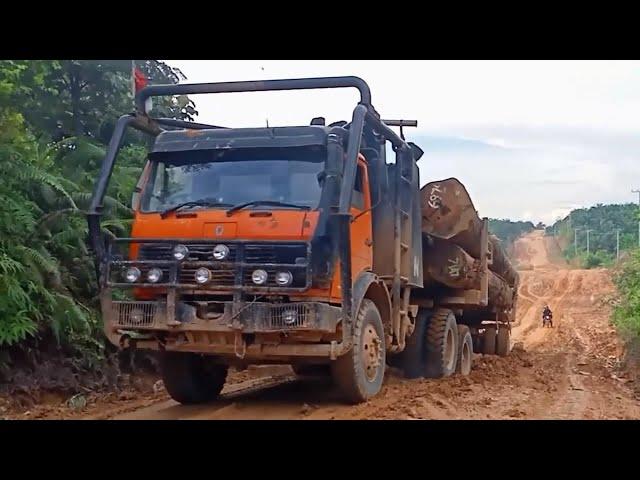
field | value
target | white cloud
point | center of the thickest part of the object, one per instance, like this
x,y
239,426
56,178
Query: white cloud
x,y
543,136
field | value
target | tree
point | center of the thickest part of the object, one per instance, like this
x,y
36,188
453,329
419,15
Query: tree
x,y
63,98
55,119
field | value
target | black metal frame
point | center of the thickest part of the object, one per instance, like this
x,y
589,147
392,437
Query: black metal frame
x,y
340,178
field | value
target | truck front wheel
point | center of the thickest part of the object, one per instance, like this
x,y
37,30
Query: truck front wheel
x,y
192,378
358,374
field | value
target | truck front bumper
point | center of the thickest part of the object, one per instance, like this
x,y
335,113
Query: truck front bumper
x,y
258,317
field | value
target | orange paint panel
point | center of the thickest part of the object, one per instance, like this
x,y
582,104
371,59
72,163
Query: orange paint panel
x,y
220,230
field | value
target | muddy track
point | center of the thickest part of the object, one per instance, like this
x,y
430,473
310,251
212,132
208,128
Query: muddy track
x,y
565,372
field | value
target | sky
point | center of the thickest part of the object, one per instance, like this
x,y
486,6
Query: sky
x,y
531,140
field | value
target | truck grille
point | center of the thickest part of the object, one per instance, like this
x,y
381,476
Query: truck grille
x,y
278,317
136,314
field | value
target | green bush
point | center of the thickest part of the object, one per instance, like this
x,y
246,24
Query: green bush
x,y
626,314
52,142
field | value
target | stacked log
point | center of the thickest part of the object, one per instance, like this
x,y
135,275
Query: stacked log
x,y
454,230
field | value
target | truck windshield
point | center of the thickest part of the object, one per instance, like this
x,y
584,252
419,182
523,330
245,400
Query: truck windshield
x,y
235,177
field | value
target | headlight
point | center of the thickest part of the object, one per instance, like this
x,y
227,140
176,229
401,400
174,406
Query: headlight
x,y
284,279
203,275
154,275
259,277
136,317
220,252
132,274
180,252
289,317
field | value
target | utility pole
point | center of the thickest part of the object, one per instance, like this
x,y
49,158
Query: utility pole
x,y
638,192
588,231
575,240
617,244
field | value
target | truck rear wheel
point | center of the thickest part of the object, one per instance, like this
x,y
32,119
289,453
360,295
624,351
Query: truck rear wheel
x,y
192,378
413,359
441,344
489,341
359,372
503,342
465,350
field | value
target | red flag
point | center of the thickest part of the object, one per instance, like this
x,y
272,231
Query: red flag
x,y
139,79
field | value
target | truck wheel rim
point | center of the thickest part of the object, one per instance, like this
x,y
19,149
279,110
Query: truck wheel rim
x,y
371,353
450,349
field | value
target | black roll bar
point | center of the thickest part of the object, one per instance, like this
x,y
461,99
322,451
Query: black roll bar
x,y
253,86
172,122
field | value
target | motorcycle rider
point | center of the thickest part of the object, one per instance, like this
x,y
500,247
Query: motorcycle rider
x,y
546,312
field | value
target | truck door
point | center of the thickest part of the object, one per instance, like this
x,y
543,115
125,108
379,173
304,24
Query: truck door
x,y
361,237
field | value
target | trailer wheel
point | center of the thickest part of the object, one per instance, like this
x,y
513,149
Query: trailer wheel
x,y
441,345
489,341
413,359
465,350
358,374
503,342
192,378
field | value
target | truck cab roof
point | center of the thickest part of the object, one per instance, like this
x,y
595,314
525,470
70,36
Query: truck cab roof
x,y
233,138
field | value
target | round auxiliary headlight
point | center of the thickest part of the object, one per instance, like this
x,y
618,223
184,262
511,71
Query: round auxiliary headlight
x,y
284,279
259,277
154,275
203,275
289,317
220,252
180,252
132,274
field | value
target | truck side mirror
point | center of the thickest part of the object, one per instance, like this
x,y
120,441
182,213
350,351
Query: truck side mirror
x,y
416,151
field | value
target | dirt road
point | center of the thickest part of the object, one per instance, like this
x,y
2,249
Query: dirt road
x,y
567,372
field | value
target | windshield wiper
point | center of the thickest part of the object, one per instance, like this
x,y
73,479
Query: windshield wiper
x,y
270,203
203,202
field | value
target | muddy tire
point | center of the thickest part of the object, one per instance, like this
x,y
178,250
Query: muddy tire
x,y
311,370
503,342
489,341
465,350
359,373
191,378
413,359
441,344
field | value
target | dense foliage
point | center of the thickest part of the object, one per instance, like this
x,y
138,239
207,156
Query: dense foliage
x,y
55,119
508,230
627,312
602,221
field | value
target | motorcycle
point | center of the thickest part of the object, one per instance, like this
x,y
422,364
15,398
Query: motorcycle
x,y
547,321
